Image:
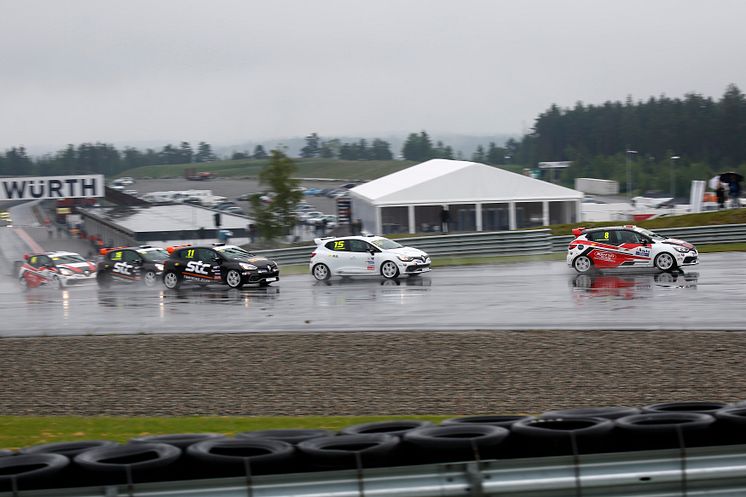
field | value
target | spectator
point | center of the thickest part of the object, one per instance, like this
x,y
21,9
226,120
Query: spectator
x,y
735,193
720,193
445,217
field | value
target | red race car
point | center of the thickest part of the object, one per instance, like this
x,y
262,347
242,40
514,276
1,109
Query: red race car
x,y
60,269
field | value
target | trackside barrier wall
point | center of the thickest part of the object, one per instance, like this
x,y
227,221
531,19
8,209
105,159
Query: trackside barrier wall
x,y
659,473
522,242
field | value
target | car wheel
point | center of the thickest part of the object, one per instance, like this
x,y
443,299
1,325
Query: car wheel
x,y
582,264
103,280
233,279
665,262
389,270
149,278
172,280
321,272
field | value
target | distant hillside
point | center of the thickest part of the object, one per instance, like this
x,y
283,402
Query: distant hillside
x,y
307,168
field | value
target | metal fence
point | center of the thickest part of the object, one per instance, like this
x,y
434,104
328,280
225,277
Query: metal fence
x,y
523,242
711,471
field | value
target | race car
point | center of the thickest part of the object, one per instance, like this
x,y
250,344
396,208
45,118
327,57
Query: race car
x,y
627,246
217,264
359,255
60,269
143,264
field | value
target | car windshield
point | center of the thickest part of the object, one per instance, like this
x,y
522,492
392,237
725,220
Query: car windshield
x,y
233,251
153,255
385,244
652,234
67,259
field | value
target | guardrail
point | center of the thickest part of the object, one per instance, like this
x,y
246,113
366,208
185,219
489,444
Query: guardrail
x,y
661,473
489,243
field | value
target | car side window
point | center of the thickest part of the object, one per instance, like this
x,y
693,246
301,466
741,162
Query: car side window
x,y
115,255
35,261
339,245
359,246
131,256
45,261
206,255
626,236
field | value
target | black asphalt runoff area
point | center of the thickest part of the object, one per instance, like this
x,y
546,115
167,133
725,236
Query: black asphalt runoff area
x,y
516,296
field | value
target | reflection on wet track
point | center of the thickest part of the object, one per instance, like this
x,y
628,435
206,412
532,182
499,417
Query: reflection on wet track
x,y
540,295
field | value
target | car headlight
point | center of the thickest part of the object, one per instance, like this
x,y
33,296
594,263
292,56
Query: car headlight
x,y
247,266
404,258
159,267
65,272
680,249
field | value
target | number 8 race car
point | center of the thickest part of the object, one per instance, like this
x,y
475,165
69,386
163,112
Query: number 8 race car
x,y
627,246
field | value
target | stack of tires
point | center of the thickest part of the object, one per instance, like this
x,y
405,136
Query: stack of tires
x,y
589,430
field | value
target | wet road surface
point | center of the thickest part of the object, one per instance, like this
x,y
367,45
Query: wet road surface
x,y
521,296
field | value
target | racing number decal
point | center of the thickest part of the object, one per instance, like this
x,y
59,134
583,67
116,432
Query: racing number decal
x,y
606,235
116,256
190,254
339,245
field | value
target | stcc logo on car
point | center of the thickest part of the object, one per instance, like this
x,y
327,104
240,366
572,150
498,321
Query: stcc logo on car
x,y
198,267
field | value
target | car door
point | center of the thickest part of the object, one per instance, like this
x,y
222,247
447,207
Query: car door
x,y
338,260
361,259
635,247
606,252
119,268
194,267
212,264
134,263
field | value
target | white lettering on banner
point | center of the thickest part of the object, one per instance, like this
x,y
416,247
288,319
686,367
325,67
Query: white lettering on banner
x,y
605,256
41,187
197,267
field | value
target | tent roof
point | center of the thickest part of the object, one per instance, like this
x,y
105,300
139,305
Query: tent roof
x,y
440,181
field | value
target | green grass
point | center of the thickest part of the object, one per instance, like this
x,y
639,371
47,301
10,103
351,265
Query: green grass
x,y
24,431
306,168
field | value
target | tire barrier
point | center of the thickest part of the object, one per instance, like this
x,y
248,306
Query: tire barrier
x,y
128,464
242,456
611,412
292,436
181,440
502,421
69,449
568,432
395,428
730,425
350,451
31,471
700,406
549,436
456,442
664,430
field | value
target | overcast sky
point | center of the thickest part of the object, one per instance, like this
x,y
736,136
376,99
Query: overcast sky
x,y
230,71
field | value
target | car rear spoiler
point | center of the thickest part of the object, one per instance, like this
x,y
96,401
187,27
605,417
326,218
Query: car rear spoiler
x,y
318,241
578,231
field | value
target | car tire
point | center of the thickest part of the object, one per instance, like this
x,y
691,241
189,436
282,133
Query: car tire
x,y
172,280
389,270
582,264
30,467
150,278
233,279
665,261
321,272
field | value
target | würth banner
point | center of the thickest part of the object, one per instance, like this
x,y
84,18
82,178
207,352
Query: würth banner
x,y
37,187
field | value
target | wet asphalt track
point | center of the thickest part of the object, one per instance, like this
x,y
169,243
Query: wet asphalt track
x,y
538,295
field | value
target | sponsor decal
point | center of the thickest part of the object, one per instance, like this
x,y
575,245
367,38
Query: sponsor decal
x,y
122,268
644,252
197,267
605,256
39,187
371,264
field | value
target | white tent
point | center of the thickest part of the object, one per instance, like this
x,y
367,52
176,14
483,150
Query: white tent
x,y
467,195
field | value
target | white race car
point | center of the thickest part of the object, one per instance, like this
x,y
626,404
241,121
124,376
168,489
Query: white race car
x,y
627,246
356,255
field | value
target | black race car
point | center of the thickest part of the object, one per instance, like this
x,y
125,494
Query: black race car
x,y
219,263
142,264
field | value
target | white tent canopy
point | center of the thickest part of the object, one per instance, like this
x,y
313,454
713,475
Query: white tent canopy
x,y
475,196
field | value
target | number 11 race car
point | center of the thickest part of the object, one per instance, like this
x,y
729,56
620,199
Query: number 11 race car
x,y
627,246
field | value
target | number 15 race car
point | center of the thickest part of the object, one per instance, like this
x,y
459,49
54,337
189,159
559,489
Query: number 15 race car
x,y
627,246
